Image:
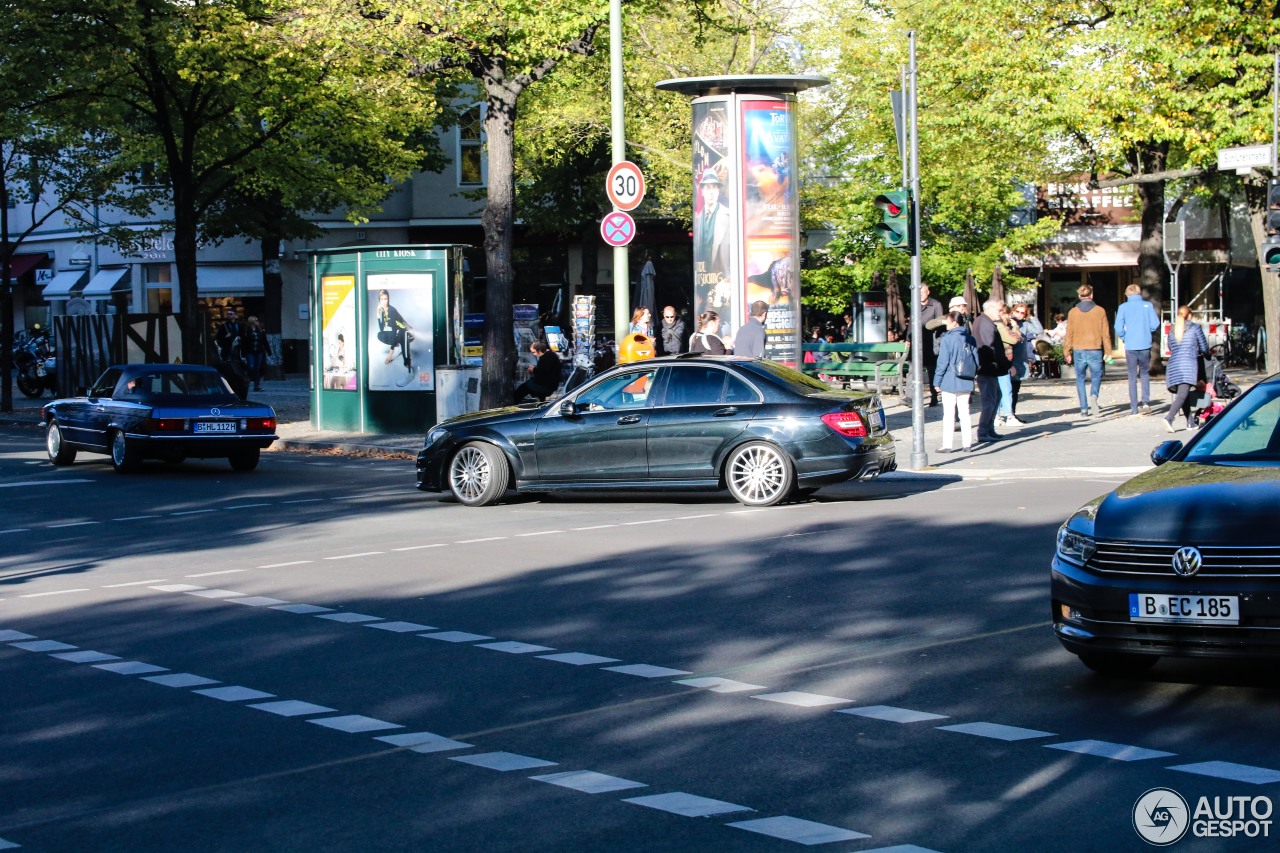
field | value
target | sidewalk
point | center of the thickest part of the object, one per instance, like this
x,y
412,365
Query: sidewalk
x,y
1055,442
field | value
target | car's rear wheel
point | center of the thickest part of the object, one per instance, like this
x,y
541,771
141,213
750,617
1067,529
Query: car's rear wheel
x,y
759,474
1118,663
245,460
124,456
478,474
59,453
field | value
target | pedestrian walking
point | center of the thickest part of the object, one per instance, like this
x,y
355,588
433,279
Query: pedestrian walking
x,y
641,322
255,351
1029,329
930,309
1136,324
750,338
706,338
1010,336
992,364
1187,345
1086,345
671,332
954,388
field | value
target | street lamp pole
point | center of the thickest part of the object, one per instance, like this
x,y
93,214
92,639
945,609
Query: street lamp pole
x,y
621,260
919,456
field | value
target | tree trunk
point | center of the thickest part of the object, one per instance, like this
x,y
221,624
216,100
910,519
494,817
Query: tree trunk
x,y
190,317
498,370
1153,275
6,302
272,299
1257,196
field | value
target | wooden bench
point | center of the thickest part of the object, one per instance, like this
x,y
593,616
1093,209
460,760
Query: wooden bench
x,y
885,364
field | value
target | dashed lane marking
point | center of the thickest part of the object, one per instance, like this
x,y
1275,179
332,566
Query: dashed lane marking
x,y
1234,772
802,700
194,511
890,714
1114,751
353,556
135,583
687,805
485,539
282,565
804,832
65,524
996,731
588,781
503,762
55,592
222,572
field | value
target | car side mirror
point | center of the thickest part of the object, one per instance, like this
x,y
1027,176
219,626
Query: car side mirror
x,y
568,409
1165,451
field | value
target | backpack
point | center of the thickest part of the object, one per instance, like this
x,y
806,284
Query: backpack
x,y
966,363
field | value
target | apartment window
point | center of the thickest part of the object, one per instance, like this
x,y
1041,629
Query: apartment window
x,y
159,280
471,165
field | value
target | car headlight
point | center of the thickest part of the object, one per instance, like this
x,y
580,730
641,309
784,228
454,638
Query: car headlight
x,y
434,435
1075,547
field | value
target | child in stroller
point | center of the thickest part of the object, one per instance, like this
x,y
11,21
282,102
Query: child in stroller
x,y
1215,388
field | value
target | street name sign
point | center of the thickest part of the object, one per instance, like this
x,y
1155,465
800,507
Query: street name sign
x,y
1243,160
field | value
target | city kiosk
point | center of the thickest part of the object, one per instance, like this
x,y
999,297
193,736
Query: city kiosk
x,y
382,328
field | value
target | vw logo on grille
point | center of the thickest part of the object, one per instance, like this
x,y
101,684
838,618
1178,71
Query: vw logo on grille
x,y
1187,561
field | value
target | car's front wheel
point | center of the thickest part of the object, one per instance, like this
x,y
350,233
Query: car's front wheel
x,y
478,474
59,453
124,456
759,474
1118,663
245,460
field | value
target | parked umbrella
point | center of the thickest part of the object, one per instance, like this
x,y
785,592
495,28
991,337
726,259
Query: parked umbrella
x,y
895,309
997,284
971,295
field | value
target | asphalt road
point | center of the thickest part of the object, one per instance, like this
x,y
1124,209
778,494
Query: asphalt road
x,y
316,657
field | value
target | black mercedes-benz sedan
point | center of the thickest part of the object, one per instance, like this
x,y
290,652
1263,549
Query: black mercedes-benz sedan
x,y
764,431
1182,560
158,411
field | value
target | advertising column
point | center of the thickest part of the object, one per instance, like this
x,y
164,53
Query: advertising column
x,y
716,281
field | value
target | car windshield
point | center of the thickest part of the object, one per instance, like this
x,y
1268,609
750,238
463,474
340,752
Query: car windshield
x,y
1246,433
175,384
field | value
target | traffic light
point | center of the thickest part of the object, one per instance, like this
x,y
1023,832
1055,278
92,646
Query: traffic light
x,y
895,225
1271,225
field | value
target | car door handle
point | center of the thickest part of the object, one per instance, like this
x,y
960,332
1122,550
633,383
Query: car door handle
x,y
724,413
629,419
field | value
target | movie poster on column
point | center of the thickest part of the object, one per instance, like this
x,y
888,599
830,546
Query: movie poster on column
x,y
714,262
401,356
338,331
770,223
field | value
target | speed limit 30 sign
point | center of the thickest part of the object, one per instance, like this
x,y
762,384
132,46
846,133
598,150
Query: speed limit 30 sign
x,y
625,185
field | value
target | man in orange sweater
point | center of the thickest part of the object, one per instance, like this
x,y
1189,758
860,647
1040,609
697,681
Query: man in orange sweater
x,y
1087,343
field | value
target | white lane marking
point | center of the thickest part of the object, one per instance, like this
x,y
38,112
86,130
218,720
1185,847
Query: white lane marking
x,y
688,805
235,693
355,724
246,506
57,592
302,608
743,511
578,658
485,539
1234,772
194,511
721,685
503,762
180,679
9,845
399,627
71,524
16,530
891,714
588,781
257,601
7,636
804,832
44,646
349,617
130,667
455,637
997,731
22,483
539,533
353,556
135,583
424,742
177,587
644,670
282,565
512,647
84,657
595,527
216,593
803,700
691,517
135,517
292,708
211,574
1114,751
647,521
419,547
303,501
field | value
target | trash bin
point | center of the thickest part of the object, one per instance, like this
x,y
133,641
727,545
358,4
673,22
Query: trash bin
x,y
457,390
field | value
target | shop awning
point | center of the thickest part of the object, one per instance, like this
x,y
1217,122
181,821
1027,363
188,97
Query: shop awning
x,y
22,264
105,283
62,284
244,280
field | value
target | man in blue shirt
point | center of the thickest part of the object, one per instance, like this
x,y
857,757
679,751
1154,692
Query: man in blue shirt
x,y
1136,324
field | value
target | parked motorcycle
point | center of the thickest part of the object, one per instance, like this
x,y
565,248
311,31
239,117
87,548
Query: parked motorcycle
x,y
35,364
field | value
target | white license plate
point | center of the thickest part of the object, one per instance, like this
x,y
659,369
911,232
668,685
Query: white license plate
x,y
1187,609
215,426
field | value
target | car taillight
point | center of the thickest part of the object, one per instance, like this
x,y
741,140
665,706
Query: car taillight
x,y
848,424
258,423
166,425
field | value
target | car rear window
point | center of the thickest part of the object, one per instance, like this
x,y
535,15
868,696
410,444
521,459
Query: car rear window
x,y
170,384
792,380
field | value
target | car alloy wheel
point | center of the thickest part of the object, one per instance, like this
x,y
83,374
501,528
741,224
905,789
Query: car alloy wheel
x,y
59,453
759,474
478,474
123,456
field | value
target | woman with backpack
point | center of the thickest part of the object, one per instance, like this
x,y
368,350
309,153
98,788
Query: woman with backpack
x,y
953,378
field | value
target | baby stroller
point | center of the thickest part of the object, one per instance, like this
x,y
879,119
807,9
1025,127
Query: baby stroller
x,y
1210,393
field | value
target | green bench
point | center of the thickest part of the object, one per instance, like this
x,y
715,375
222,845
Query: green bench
x,y
885,364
